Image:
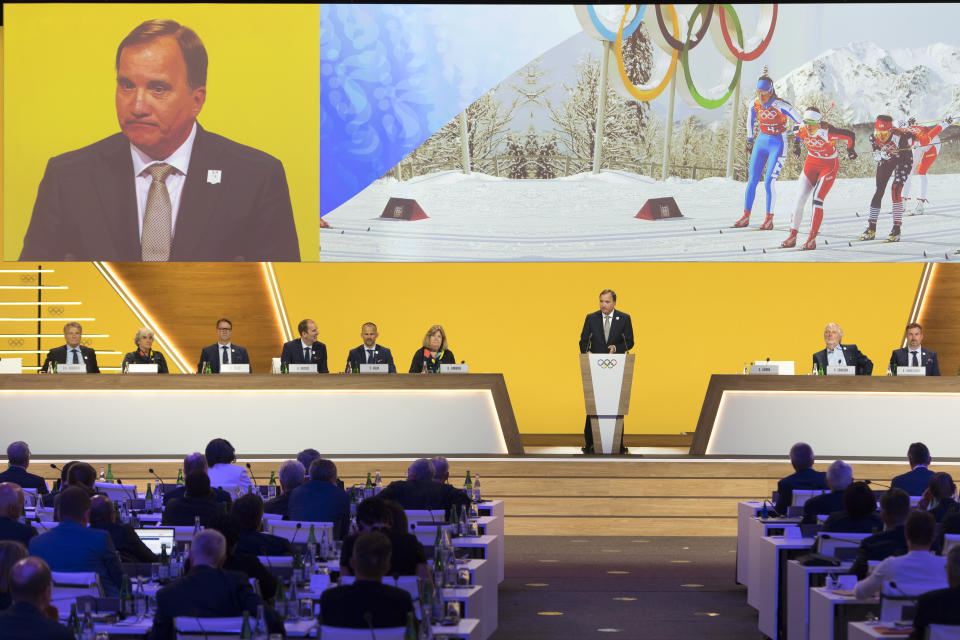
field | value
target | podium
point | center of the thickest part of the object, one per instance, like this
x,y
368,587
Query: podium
x,y
607,378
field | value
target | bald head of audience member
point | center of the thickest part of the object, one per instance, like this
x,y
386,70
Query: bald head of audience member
x,y
30,582
323,470
75,506
839,475
18,453
894,508
371,556
209,548
102,510
292,475
11,500
441,469
801,456
421,469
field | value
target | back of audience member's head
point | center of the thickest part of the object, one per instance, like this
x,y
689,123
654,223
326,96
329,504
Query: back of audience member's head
x,y
11,500
18,453
373,512
82,474
306,458
197,485
65,472
953,566
839,475
859,501
398,517
195,461
228,527
220,451
247,511
292,474
801,456
920,528
421,469
209,547
74,504
371,555
11,551
323,470
30,581
942,486
918,454
101,510
894,507
441,469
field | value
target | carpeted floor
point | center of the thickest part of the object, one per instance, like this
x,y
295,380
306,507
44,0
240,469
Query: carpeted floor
x,y
626,587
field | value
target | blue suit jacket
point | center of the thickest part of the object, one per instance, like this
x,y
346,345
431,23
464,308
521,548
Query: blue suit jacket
x,y
212,354
927,358
382,355
70,547
318,501
292,353
914,482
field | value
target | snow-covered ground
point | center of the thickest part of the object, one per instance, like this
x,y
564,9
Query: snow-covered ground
x,y
480,218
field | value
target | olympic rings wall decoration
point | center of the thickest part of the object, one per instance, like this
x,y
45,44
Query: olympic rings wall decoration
x,y
595,27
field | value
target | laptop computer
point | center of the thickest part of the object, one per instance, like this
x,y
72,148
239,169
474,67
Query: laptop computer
x,y
155,537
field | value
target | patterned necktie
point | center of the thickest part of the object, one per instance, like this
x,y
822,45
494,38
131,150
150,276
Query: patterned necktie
x,y
225,360
606,328
916,363
157,217
76,360
369,356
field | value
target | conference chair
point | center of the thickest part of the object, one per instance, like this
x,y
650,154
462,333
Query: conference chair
x,y
342,633
407,583
67,586
288,529
44,514
897,603
116,492
29,498
429,516
950,540
942,632
829,543
800,496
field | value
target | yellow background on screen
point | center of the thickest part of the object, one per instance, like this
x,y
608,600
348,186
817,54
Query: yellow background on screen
x,y
262,91
689,320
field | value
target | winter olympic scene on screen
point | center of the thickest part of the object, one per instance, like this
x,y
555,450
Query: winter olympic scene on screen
x,y
791,132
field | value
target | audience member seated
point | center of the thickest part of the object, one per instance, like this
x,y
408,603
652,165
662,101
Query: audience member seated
x,y
11,507
292,475
859,514
197,501
103,516
31,616
195,462
419,491
892,541
839,477
801,457
47,500
938,499
306,458
80,475
367,602
247,511
916,572
246,563
11,552
207,590
915,481
223,473
941,606
407,557
18,459
71,546
320,499
441,469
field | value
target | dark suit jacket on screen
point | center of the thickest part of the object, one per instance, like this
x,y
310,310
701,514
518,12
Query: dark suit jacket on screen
x,y
804,479
621,333
292,353
346,606
59,355
26,480
914,482
853,356
382,355
86,207
213,354
927,359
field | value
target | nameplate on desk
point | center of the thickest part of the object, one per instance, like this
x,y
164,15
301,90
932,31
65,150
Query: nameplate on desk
x,y
838,370
71,368
239,368
375,368
143,368
302,368
911,371
454,368
765,370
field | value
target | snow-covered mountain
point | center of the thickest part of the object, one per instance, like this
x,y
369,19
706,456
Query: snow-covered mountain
x,y
864,80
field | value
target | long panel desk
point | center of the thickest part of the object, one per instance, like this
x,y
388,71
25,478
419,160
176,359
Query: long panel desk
x,y
133,415
839,416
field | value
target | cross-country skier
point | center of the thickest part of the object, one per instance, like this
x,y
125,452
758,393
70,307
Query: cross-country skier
x,y
924,154
891,151
819,170
770,149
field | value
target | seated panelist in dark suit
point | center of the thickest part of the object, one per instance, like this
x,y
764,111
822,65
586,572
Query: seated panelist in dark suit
x,y
306,350
367,602
31,615
419,491
433,353
914,355
223,351
163,188
320,499
18,459
197,502
915,481
805,477
840,354
145,353
103,516
72,352
370,352
11,506
892,541
207,590
839,477
859,513
605,331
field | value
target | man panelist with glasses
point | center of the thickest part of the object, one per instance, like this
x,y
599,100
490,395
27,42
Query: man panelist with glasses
x,y
223,351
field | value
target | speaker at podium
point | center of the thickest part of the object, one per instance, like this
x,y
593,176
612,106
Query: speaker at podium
x,y
607,379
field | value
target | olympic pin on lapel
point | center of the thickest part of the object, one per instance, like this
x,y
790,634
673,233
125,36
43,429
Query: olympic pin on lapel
x,y
213,176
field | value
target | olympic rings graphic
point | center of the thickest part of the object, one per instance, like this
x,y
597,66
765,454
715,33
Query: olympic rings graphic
x,y
648,92
606,363
595,27
688,91
768,16
689,44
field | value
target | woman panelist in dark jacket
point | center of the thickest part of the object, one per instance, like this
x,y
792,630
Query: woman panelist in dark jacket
x,y
434,352
144,353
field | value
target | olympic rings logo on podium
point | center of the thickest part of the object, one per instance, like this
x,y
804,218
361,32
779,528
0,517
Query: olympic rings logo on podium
x,y
606,363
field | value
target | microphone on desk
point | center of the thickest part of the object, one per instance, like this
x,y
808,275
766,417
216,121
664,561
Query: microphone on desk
x,y
368,618
159,479
293,538
125,490
254,478
879,484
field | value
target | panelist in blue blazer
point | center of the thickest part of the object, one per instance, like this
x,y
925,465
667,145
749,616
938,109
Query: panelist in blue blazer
x,y
837,354
306,350
369,352
224,351
914,355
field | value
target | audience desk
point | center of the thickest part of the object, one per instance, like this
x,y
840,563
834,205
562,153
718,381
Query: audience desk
x,y
830,612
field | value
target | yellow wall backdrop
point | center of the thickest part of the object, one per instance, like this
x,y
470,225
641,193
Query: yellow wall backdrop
x,y
690,320
262,91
